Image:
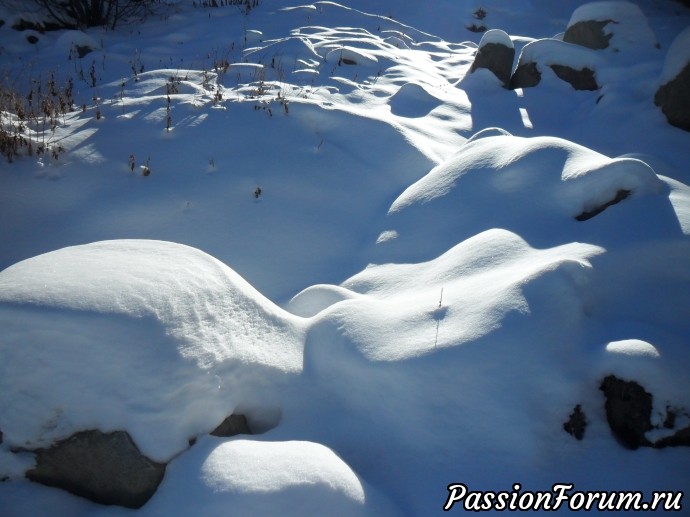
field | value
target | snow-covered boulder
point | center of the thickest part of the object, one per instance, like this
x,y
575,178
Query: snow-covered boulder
x,y
153,338
496,53
610,25
571,63
537,187
673,95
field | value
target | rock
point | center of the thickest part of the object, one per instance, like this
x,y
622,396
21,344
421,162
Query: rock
x,y
106,468
570,63
679,438
628,411
588,214
579,79
231,426
577,423
610,25
588,34
672,96
526,75
496,53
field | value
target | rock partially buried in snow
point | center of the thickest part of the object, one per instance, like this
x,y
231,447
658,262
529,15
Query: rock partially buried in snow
x,y
172,339
537,185
614,25
106,468
496,53
574,65
673,95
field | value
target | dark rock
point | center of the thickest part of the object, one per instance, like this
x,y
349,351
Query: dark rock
x,y
588,34
679,438
628,411
526,75
24,25
83,50
577,423
476,28
588,214
106,468
32,39
231,426
674,99
497,58
578,79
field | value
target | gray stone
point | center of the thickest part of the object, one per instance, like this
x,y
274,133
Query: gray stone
x,y
588,34
674,99
628,411
231,426
526,75
577,423
579,79
106,468
497,58
596,210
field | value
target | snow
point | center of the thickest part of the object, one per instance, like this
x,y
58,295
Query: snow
x,y
556,52
373,255
497,37
677,57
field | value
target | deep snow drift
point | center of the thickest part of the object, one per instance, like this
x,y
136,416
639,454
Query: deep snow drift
x,y
404,276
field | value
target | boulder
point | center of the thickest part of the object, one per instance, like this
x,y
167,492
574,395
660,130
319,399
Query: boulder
x,y
570,63
610,25
672,95
588,34
628,411
106,468
496,53
232,426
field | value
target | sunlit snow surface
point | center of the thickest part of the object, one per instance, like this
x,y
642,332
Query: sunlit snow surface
x,y
409,302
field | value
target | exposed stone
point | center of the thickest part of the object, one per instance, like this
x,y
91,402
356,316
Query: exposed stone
x,y
679,438
476,28
577,423
526,75
106,468
497,58
588,34
578,79
628,411
231,426
674,99
588,214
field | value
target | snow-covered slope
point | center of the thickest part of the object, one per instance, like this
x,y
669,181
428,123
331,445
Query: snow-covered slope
x,y
404,276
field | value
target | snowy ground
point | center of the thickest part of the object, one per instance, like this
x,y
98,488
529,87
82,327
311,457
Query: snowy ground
x,y
407,304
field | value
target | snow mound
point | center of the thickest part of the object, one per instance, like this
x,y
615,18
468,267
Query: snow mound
x,y
535,187
316,298
467,291
412,100
262,478
155,338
